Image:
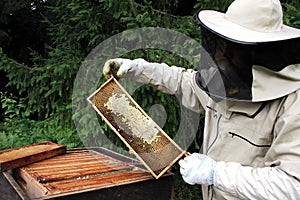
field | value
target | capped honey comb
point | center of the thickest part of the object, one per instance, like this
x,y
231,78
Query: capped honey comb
x,y
152,146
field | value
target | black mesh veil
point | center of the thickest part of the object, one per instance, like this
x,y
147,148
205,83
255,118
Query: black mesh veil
x,y
225,70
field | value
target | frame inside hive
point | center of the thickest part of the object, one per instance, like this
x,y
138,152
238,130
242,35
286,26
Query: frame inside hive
x,y
77,171
155,149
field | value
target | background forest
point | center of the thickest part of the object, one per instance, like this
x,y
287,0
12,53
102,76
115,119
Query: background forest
x,y
44,42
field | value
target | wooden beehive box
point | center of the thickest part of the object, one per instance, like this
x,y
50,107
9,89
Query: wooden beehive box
x,y
18,157
88,174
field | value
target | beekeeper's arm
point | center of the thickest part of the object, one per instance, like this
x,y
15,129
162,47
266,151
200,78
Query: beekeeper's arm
x,y
240,181
278,180
172,80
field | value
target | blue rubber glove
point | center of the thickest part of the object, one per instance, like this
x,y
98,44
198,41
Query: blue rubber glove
x,y
198,169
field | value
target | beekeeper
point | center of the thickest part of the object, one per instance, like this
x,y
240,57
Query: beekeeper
x,y
248,85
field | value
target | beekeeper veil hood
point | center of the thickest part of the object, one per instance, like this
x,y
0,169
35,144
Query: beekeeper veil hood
x,y
247,52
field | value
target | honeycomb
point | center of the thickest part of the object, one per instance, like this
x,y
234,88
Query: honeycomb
x,y
140,125
156,150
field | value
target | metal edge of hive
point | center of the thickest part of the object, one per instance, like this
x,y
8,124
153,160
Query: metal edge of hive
x,y
90,100
15,186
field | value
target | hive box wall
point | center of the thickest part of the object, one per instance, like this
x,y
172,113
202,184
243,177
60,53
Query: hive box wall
x,y
148,188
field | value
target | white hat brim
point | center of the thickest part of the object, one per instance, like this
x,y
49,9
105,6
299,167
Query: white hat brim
x,y
217,22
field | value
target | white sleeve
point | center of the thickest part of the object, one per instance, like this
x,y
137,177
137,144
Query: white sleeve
x,y
172,80
256,183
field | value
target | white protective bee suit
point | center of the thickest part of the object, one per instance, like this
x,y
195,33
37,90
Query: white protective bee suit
x,y
252,122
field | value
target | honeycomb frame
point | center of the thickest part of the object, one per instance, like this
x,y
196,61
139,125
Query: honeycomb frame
x,y
159,154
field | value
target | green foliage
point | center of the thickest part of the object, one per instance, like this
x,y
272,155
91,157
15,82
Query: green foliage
x,y
43,94
19,132
219,5
44,43
21,29
13,107
292,14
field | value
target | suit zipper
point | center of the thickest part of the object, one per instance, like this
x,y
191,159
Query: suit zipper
x,y
217,134
245,139
210,192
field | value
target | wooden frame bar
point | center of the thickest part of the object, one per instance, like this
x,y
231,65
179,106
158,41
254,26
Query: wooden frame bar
x,y
172,150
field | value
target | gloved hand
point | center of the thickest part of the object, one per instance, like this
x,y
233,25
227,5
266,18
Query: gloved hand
x,y
118,67
198,169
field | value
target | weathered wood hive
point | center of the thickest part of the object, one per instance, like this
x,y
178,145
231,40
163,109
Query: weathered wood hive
x,y
88,174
